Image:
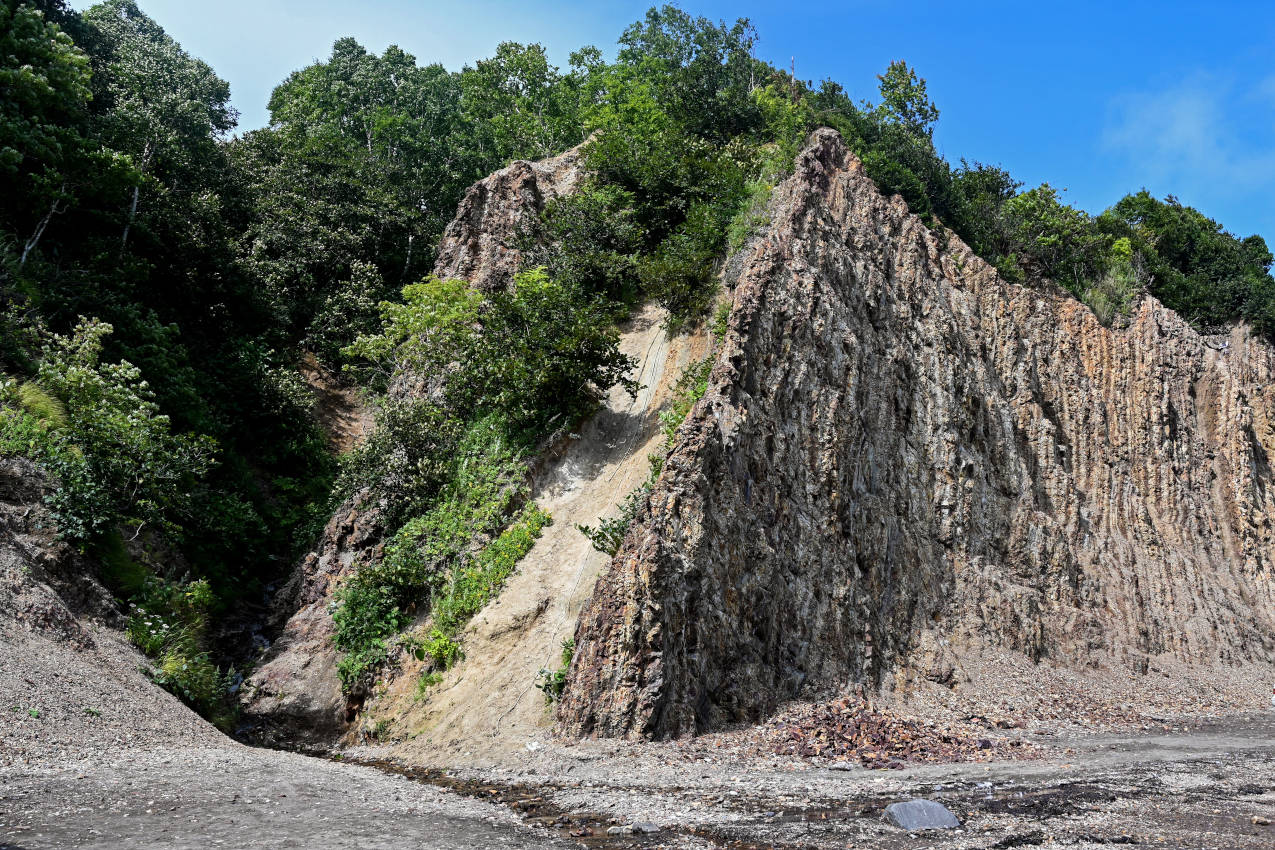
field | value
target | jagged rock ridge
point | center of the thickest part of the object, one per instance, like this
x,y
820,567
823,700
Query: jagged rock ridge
x,y
901,457
480,244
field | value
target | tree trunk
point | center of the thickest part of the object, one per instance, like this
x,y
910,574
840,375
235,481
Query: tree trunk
x,y
132,213
56,207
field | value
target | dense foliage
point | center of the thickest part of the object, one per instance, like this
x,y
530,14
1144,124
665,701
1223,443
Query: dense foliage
x,y
160,281
505,370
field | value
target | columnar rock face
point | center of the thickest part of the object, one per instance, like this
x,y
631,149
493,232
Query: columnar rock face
x,y
898,449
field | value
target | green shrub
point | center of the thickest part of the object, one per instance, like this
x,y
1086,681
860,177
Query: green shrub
x,y
554,682
541,351
470,586
114,454
1114,294
170,622
609,534
484,483
442,648
426,681
752,215
721,318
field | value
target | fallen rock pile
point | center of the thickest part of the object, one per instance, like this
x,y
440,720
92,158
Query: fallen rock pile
x,y
850,729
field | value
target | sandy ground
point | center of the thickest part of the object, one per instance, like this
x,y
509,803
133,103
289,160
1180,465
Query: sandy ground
x,y
1211,786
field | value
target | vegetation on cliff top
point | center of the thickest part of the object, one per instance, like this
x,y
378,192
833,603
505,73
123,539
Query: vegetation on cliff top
x,y
159,278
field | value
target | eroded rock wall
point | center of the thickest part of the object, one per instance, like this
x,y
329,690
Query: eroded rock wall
x,y
481,244
898,450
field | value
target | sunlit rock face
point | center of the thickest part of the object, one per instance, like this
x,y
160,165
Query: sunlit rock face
x,y
902,457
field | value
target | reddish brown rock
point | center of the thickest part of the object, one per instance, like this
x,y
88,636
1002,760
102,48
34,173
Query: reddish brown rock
x,y
480,243
901,456
294,694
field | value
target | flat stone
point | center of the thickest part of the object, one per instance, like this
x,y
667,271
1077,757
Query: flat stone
x,y
920,814
842,765
645,828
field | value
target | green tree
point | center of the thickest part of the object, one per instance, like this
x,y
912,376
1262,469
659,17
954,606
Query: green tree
x,y
43,153
163,108
122,464
351,185
518,106
905,101
1051,239
1196,267
541,351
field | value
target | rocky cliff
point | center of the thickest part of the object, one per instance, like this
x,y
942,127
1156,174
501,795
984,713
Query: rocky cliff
x,y
901,458
480,244
294,693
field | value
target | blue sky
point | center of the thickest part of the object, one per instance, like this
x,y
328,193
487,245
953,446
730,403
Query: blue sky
x,y
1100,98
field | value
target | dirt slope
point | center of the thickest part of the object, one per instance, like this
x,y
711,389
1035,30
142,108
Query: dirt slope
x,y
70,683
489,703
293,694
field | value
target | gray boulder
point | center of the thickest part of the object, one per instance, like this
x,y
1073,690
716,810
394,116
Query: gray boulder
x,y
920,814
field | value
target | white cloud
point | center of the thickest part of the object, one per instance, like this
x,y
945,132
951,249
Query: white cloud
x,y
1202,136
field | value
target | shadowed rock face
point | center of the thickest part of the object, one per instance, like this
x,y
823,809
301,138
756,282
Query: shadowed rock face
x,y
898,451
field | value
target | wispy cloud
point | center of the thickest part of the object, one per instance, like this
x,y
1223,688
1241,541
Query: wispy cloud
x,y
1202,136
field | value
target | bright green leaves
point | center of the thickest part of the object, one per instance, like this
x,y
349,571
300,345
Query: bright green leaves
x,y
538,352
1047,238
1196,267
117,458
905,101
434,325
518,106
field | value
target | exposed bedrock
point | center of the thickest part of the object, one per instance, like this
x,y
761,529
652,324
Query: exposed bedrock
x,y
899,450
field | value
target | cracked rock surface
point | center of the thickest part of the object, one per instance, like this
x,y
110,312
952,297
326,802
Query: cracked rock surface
x,y
903,461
